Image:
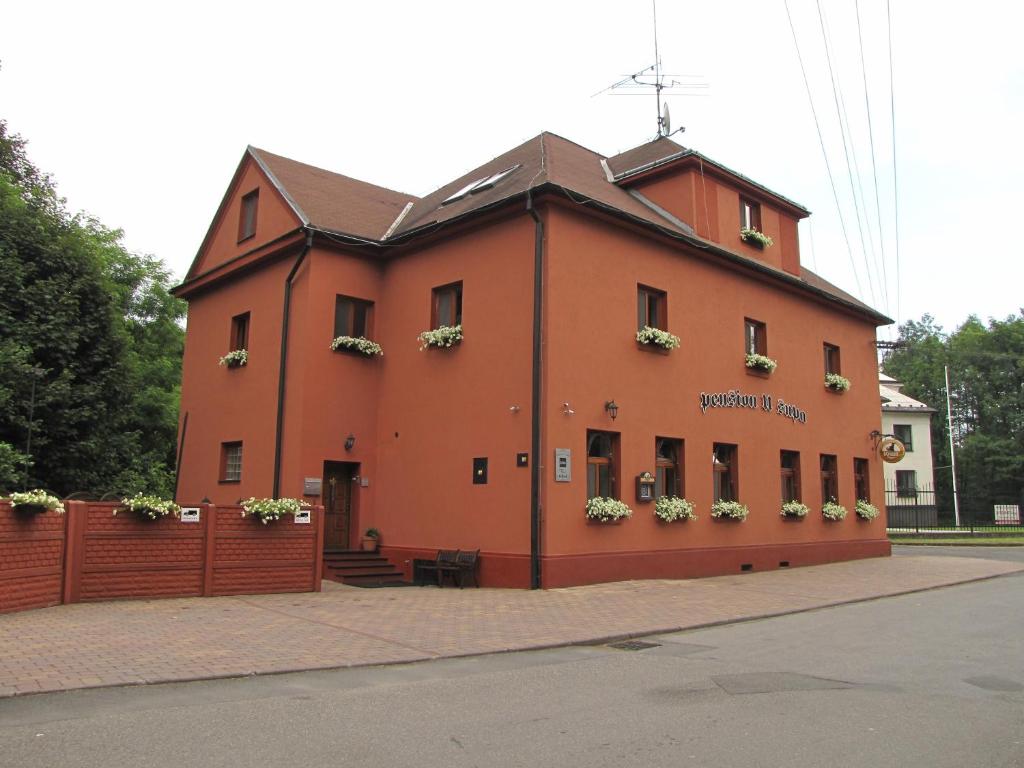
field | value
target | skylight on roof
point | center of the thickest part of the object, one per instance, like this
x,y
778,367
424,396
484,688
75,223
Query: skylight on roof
x,y
479,185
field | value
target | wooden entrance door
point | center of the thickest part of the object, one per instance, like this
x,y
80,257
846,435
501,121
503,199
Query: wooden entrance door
x,y
337,495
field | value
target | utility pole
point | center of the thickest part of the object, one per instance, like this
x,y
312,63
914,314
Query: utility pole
x,y
952,452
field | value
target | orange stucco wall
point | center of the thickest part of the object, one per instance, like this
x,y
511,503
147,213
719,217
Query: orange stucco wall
x,y
419,418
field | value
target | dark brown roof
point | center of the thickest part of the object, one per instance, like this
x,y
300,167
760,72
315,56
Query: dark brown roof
x,y
333,201
347,206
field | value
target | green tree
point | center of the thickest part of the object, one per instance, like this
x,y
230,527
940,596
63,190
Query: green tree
x,y
90,344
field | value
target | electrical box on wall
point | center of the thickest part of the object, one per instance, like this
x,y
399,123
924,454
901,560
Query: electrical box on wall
x,y
480,471
645,487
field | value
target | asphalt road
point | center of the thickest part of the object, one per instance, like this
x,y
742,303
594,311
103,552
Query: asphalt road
x,y
930,679
1012,554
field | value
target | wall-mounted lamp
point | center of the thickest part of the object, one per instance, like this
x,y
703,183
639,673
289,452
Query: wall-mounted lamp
x,y
514,408
567,410
350,442
612,409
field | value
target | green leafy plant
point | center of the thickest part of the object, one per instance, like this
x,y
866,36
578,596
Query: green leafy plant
x,y
235,358
794,509
836,382
657,337
761,363
150,507
606,510
730,509
830,510
266,510
443,337
372,533
358,344
36,500
866,510
756,237
672,508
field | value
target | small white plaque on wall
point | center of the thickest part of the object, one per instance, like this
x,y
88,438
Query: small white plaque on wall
x,y
190,514
563,465
302,517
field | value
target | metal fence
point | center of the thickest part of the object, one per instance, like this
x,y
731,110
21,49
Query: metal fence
x,y
917,510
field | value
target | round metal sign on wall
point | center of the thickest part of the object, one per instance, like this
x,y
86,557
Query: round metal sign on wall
x,y
891,450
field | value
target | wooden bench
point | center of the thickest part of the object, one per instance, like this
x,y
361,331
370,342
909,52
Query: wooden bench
x,y
449,562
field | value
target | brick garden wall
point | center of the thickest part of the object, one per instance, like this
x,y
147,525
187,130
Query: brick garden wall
x,y
31,559
92,554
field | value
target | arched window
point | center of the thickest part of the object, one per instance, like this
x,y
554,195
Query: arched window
x,y
600,464
668,478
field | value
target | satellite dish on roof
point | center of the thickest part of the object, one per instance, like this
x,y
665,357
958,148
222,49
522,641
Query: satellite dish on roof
x,y
666,122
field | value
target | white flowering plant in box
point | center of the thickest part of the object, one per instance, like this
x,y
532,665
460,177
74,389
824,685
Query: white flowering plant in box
x,y
150,507
756,237
266,510
358,344
836,382
657,337
732,510
36,500
443,337
761,363
794,509
830,510
235,358
866,510
672,508
606,510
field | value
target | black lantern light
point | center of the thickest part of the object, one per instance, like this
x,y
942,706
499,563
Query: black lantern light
x,y
612,409
350,442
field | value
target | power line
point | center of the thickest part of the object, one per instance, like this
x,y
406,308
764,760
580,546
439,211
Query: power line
x,y
846,148
895,184
824,153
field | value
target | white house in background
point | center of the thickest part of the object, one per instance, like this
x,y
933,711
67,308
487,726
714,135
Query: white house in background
x,y
910,421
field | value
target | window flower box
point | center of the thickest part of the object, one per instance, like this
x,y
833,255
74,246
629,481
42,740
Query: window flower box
x,y
656,337
35,502
756,238
672,508
441,338
267,510
830,510
149,507
729,510
604,510
235,358
761,363
866,510
359,344
836,383
795,510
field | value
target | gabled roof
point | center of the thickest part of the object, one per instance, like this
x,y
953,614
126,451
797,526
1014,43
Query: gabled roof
x,y
895,401
377,216
330,200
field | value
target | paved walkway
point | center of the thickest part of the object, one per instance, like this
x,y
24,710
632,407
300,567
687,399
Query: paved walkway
x,y
150,641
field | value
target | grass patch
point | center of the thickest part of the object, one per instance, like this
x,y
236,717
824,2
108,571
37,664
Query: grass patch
x,y
973,541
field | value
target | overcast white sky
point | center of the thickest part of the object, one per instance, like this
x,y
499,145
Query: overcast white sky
x,y
142,111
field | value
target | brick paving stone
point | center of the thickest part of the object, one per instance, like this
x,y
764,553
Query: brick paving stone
x,y
131,642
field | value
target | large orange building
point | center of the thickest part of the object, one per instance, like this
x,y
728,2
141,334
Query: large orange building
x,y
549,259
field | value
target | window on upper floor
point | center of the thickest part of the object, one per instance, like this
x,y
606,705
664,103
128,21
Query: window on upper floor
x,y
447,306
240,331
789,463
352,317
905,435
601,450
906,483
831,352
724,472
231,462
829,478
860,479
247,215
750,214
755,337
668,476
651,308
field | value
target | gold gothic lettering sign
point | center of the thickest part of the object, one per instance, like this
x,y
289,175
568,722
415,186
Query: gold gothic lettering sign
x,y
764,402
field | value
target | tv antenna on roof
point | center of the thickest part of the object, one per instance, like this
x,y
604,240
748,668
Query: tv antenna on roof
x,y
639,83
